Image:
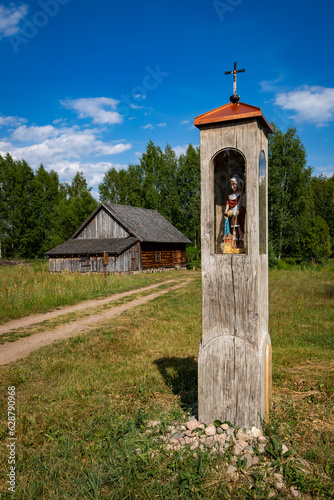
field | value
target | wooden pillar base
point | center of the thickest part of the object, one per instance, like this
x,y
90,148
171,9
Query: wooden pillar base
x,y
234,381
229,375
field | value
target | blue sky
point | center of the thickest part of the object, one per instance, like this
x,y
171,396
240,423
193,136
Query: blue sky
x,y
85,85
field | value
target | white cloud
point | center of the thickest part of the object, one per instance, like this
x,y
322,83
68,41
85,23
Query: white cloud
x,y
52,145
100,109
326,171
58,120
106,149
69,152
65,149
162,124
10,121
10,18
184,122
149,126
4,147
312,104
28,134
180,150
94,172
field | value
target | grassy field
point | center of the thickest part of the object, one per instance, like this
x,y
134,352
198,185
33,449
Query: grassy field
x,y
30,289
82,404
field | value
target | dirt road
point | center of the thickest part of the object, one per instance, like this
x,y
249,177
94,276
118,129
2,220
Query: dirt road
x,y
22,347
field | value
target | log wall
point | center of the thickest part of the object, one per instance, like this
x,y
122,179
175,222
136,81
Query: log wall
x,y
170,255
127,261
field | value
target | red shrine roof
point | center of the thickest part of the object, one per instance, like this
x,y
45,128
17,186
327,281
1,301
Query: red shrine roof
x,y
231,112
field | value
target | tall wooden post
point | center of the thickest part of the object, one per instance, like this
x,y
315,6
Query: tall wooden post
x,y
105,264
234,362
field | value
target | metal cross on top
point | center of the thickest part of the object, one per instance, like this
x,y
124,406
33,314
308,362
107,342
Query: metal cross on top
x,y
235,98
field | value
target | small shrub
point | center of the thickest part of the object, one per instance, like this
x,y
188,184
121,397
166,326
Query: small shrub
x,y
193,256
272,259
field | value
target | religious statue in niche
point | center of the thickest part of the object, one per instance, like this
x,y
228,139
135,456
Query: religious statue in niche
x,y
235,217
229,202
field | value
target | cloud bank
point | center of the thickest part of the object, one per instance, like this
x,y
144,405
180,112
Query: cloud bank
x,y
312,104
63,148
100,109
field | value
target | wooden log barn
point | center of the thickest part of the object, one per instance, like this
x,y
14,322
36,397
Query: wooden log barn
x,y
132,239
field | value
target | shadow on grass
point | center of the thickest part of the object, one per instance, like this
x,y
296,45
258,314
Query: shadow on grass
x,y
180,374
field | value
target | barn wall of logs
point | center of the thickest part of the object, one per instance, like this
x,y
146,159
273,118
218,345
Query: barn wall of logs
x,y
162,255
94,263
137,258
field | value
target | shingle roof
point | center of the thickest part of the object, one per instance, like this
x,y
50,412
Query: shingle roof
x,y
83,246
144,224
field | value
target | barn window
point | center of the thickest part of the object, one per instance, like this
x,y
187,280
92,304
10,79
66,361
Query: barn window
x,y
84,261
157,256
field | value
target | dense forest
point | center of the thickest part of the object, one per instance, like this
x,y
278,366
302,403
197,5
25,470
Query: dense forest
x,y
38,212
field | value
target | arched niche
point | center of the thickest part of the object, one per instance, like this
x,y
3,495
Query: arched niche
x,y
229,230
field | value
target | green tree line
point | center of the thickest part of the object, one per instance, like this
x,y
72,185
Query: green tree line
x,y
37,212
300,206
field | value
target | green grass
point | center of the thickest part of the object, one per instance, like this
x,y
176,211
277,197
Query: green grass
x,y
42,326
301,328
82,403
31,289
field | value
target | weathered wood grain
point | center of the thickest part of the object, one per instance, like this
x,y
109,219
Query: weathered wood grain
x,y
229,367
103,225
234,291
95,264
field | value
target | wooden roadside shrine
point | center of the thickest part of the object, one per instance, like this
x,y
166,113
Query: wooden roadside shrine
x,y
234,362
